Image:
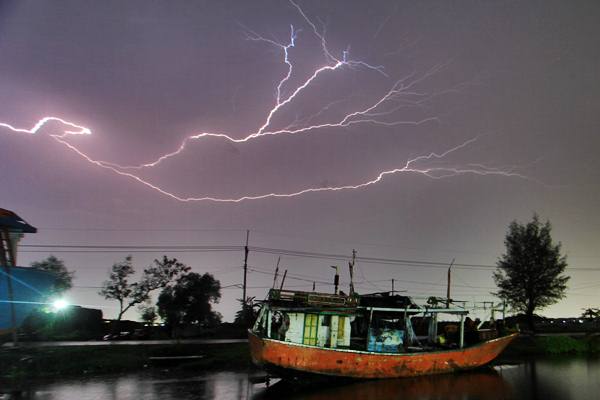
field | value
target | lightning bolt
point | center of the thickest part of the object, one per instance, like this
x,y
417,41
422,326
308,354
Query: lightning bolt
x,y
402,93
79,130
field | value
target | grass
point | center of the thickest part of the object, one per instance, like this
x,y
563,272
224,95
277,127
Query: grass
x,y
568,345
553,345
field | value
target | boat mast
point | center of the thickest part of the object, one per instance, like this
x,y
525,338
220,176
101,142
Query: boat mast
x,y
351,267
448,288
336,279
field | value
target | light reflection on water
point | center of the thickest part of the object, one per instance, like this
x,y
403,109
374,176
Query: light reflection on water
x,y
565,379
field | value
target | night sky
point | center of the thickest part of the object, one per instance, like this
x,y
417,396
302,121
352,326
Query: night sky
x,y
520,77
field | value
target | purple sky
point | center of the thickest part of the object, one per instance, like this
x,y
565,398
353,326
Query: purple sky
x,y
521,77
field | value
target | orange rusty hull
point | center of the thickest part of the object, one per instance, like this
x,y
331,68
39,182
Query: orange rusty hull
x,y
297,358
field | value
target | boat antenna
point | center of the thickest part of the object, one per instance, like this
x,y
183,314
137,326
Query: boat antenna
x,y
336,279
283,279
351,267
448,288
276,272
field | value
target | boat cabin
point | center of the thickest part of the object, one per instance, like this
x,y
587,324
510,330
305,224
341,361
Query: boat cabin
x,y
379,322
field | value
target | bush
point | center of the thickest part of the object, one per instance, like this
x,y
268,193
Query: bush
x,y
561,345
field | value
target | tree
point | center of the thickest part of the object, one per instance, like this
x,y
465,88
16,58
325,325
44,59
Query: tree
x,y
157,276
189,301
64,278
529,274
246,316
591,313
148,313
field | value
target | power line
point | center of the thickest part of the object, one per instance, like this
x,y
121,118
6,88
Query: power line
x,y
123,251
141,229
387,261
79,246
267,250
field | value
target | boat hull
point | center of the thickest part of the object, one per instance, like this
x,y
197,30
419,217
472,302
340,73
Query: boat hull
x,y
290,358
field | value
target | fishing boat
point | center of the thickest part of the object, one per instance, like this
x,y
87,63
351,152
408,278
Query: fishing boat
x,y
380,335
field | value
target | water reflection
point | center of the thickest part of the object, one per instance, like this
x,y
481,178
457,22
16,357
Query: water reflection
x,y
566,379
150,386
484,385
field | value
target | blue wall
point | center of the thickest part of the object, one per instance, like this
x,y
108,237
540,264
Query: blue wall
x,y
30,285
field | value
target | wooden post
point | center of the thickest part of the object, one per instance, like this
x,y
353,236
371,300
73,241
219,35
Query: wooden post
x,y
336,279
283,279
448,288
7,258
276,272
245,265
461,342
351,266
333,334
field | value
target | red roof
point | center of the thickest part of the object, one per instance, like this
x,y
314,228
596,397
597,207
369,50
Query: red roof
x,y
13,223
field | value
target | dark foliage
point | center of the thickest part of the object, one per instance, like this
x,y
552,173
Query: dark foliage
x,y
529,274
189,301
64,278
157,276
246,316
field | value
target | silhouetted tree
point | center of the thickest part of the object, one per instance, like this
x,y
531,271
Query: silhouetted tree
x,y
591,313
247,314
64,278
148,313
157,276
189,301
529,273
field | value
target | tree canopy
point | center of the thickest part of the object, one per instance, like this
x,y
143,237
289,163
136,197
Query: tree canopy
x,y
64,278
148,312
247,314
529,275
190,301
156,276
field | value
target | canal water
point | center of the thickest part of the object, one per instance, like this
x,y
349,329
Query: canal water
x,y
557,379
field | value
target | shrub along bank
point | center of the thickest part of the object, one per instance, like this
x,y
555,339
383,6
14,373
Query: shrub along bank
x,y
553,345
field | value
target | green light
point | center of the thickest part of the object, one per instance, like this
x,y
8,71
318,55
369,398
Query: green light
x,y
60,304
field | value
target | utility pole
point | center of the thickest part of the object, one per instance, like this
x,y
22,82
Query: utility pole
x,y
448,288
351,267
245,264
392,286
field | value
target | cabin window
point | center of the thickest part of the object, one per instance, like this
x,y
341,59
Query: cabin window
x,y
326,320
310,329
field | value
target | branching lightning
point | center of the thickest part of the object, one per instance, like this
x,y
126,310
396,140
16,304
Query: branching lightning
x,y
402,93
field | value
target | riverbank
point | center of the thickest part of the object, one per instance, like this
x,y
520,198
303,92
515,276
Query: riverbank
x,y
48,362
88,360
553,345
